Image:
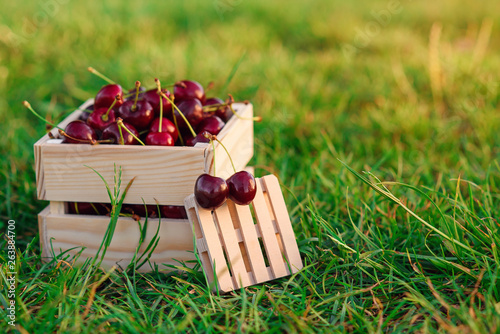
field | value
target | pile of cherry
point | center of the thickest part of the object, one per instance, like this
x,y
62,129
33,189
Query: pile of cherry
x,y
149,117
134,210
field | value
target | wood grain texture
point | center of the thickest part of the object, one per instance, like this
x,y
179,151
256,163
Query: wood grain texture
x,y
166,174
42,228
37,147
83,234
270,184
230,234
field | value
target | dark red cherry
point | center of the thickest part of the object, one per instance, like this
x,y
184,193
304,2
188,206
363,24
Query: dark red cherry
x,y
212,124
80,133
83,208
131,93
154,99
166,126
188,89
140,210
242,187
192,110
106,96
112,132
140,117
223,112
200,138
173,212
160,139
210,191
86,113
98,119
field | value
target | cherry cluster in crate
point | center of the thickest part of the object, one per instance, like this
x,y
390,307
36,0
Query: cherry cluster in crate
x,y
152,115
183,116
134,210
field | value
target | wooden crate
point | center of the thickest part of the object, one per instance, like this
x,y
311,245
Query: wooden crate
x,y
228,239
165,174
162,174
73,234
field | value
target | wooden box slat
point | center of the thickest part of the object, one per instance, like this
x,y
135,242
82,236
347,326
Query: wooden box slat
x,y
227,239
166,174
62,232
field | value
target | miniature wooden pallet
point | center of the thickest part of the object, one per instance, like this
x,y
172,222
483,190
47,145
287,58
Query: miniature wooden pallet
x,y
229,241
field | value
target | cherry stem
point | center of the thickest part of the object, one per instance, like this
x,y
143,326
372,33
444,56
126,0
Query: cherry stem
x,y
256,118
105,117
92,142
137,86
176,126
100,75
212,137
161,111
173,104
213,152
182,115
28,106
93,207
121,134
120,125
179,84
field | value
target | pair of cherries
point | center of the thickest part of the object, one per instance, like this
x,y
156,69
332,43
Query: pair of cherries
x,y
211,191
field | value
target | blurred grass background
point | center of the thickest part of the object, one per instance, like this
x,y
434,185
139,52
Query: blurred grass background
x,y
413,98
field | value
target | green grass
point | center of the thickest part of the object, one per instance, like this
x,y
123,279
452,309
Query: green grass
x,y
420,256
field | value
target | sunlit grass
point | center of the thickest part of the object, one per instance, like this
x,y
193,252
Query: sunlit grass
x,y
411,247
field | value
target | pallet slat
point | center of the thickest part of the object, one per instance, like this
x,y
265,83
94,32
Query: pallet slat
x,y
284,225
230,242
230,229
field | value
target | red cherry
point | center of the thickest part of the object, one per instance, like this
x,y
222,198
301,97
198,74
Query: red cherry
x,y
192,110
113,132
173,212
224,112
242,187
212,124
154,99
160,139
166,126
200,138
80,132
140,117
86,113
140,210
131,93
210,191
83,208
188,89
107,94
99,120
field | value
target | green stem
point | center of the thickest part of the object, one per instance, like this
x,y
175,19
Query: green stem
x,y
161,112
137,86
105,117
120,125
121,135
180,112
213,152
100,75
225,149
28,106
